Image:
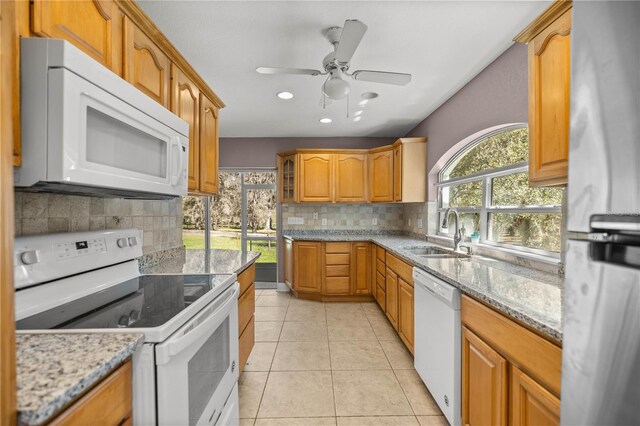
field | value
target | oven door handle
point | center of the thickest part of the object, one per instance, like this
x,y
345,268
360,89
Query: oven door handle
x,y
203,328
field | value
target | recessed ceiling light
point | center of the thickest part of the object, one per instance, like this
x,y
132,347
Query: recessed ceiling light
x,y
357,112
369,95
357,118
285,95
325,120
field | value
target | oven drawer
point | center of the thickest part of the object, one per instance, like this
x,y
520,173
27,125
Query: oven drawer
x,y
246,278
246,307
107,403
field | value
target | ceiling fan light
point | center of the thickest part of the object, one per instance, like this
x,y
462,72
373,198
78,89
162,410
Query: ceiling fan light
x,y
336,88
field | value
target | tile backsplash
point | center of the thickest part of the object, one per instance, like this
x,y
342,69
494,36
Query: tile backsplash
x,y
343,216
44,213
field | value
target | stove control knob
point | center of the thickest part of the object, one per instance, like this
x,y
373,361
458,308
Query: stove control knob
x,y
122,242
29,257
133,241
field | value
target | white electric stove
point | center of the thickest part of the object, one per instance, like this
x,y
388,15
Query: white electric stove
x,y
186,371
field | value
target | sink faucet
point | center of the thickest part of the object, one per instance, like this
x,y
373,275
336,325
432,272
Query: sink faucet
x,y
457,237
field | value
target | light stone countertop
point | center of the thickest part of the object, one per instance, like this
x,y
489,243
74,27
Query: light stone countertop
x,y
197,262
54,369
531,296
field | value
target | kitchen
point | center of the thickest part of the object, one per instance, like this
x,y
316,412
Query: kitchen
x,y
193,240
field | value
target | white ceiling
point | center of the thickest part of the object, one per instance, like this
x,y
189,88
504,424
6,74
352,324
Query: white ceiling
x,y
444,44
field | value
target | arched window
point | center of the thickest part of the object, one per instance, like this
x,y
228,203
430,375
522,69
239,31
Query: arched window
x,y
487,183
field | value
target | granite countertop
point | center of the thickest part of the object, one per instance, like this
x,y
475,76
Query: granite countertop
x,y
54,369
531,296
213,261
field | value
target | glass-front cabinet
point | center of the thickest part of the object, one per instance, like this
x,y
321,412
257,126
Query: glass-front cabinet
x,y
288,182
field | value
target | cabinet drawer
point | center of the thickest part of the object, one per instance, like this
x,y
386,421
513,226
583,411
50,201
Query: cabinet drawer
x,y
337,247
402,269
245,344
107,403
246,278
380,280
337,271
381,298
337,285
337,259
380,253
380,266
246,307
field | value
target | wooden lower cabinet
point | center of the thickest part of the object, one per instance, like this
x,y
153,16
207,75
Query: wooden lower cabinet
x,y
108,403
246,314
391,292
530,403
509,373
405,313
484,383
307,267
361,268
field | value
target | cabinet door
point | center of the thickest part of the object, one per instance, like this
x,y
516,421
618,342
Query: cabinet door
x,y
184,103
405,313
549,78
361,268
288,262
381,176
288,173
531,404
316,177
351,178
397,173
208,146
145,65
392,297
92,26
307,266
484,383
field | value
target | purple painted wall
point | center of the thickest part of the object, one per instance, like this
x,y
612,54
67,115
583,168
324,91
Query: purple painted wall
x,y
497,95
261,152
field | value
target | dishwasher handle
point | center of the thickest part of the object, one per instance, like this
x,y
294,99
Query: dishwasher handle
x,y
442,291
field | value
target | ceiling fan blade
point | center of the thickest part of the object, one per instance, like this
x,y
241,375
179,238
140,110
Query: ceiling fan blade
x,y
397,78
352,33
300,71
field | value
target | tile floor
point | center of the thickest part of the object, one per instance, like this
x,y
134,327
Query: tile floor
x,y
330,364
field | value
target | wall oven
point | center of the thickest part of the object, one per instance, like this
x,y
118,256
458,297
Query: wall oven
x,y
86,130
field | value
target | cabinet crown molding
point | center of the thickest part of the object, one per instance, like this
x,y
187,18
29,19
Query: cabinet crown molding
x,y
552,13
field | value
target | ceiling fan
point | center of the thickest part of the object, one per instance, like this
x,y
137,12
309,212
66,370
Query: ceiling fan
x,y
336,64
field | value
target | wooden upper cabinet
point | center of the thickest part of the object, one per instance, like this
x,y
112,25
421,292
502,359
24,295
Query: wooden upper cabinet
x,y
92,26
361,268
184,103
316,177
288,176
381,175
405,313
484,383
145,65
549,49
351,178
531,404
397,173
307,270
208,146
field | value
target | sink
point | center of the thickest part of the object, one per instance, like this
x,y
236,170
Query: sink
x,y
428,251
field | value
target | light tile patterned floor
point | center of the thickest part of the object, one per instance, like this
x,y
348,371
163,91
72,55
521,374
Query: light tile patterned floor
x,y
330,364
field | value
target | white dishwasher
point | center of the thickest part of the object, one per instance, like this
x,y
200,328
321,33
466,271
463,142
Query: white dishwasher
x,y
437,341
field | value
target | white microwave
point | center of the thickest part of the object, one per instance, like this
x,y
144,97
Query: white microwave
x,y
85,130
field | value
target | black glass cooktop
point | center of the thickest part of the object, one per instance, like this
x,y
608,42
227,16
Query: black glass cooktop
x,y
142,302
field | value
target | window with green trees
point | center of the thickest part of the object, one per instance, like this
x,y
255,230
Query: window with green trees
x,y
487,184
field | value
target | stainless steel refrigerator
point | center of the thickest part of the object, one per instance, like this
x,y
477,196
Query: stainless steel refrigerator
x,y
601,344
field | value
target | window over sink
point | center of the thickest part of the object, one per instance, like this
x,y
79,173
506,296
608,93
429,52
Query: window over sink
x,y
487,183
